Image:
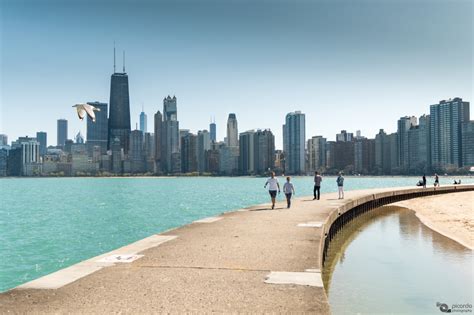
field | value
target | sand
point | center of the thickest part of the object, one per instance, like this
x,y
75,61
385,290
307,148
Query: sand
x,y
451,215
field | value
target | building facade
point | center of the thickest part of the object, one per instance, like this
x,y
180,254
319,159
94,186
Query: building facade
x,y
316,154
467,142
294,135
119,115
446,119
98,131
62,132
404,124
42,138
232,131
170,154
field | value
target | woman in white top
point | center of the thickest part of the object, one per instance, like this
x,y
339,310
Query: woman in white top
x,y
288,189
273,187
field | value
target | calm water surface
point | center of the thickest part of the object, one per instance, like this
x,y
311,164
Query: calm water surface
x,y
47,224
387,261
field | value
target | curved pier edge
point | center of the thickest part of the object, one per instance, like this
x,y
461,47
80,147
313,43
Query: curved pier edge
x,y
345,213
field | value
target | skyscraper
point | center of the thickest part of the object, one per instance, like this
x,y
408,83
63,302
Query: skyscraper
x,y
119,116
188,153
403,126
158,140
143,122
419,151
317,153
170,138
445,131
213,131
3,139
264,152
135,153
42,138
383,165
364,155
97,132
232,131
203,144
247,153
344,136
62,132
294,134
467,141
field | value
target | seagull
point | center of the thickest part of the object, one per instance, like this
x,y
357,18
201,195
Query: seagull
x,y
82,109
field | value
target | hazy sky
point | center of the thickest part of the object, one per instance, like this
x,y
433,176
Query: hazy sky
x,y
347,64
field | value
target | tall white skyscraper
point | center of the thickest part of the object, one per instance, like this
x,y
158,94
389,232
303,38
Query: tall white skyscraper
x,y
294,133
232,131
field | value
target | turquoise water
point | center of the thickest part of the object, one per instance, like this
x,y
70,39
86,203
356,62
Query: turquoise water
x,y
387,261
47,224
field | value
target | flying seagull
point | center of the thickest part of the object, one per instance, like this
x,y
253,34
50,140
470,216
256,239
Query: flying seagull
x,y
83,109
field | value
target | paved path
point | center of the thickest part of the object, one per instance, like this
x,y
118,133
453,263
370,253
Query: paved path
x,y
217,265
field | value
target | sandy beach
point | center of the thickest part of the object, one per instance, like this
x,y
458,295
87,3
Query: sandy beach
x,y
451,215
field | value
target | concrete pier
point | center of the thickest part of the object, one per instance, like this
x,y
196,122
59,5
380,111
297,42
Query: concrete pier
x,y
254,260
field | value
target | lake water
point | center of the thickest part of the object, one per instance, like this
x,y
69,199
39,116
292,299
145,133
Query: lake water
x,y
47,224
387,261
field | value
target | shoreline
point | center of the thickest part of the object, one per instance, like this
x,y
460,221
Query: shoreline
x,y
457,223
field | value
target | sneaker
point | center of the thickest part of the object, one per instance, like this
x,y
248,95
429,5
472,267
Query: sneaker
x,y
273,207
314,198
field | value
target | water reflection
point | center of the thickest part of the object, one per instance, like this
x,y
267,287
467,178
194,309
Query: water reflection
x,y
387,261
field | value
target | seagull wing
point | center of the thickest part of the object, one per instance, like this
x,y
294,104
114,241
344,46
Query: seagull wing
x,y
90,111
81,112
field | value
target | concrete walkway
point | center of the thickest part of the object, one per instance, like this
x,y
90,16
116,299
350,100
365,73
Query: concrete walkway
x,y
253,260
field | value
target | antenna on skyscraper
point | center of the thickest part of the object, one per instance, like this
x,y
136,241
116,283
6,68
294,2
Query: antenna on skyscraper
x,y
124,61
114,56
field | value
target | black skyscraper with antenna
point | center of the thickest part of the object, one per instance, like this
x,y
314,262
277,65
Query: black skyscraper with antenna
x,y
119,117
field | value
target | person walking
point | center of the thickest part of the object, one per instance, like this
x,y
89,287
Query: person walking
x,y
317,185
288,189
424,181
436,182
273,187
340,185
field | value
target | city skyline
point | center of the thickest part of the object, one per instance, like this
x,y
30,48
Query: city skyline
x,y
268,67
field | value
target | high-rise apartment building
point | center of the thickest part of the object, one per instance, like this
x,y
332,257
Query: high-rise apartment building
x,y
344,136
264,152
203,144
446,119
383,164
135,154
232,131
247,153
98,131
364,155
419,151
189,162
42,139
404,124
62,132
316,153
294,134
467,143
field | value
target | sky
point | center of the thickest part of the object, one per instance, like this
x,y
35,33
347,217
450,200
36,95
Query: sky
x,y
346,64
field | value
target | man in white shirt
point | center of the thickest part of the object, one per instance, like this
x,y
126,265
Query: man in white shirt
x,y
273,187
